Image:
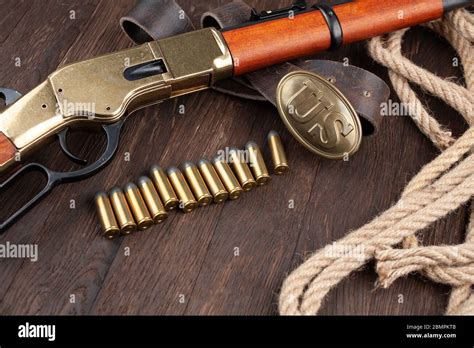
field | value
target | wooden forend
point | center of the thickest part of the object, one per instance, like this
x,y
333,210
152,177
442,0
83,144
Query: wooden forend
x,y
271,42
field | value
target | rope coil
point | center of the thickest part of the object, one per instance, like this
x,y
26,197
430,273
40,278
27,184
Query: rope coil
x,y
441,187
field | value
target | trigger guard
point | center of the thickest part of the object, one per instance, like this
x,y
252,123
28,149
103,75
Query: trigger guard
x,y
63,144
112,132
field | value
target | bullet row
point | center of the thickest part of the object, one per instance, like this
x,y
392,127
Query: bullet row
x,y
139,206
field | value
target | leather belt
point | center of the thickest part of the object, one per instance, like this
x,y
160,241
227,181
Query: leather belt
x,y
157,19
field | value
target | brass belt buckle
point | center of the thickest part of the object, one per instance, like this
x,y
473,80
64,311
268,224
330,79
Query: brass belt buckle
x,y
318,115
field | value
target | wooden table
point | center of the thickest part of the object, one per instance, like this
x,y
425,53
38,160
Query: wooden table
x,y
224,259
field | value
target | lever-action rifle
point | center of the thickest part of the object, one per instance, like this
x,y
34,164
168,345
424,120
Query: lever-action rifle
x,y
108,90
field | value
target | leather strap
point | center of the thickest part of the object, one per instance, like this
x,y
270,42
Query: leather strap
x,y
154,20
233,13
157,19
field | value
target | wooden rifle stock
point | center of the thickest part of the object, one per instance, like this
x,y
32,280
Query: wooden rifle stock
x,y
7,149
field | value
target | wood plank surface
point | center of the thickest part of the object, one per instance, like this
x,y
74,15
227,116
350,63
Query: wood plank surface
x,y
223,259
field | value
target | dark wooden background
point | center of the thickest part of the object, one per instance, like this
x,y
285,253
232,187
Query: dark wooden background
x,y
193,255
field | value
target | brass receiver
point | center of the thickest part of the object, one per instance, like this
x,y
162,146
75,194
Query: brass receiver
x,y
110,87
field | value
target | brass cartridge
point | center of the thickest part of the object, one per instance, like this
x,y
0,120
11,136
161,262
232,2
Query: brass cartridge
x,y
138,207
197,184
280,164
228,178
186,198
241,169
122,211
213,182
257,163
110,228
152,200
164,188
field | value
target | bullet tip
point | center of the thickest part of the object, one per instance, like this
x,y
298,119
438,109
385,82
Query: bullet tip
x,y
143,179
130,186
203,161
217,159
273,133
251,144
115,190
100,194
188,164
172,170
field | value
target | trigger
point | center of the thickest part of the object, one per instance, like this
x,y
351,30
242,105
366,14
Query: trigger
x,y
63,143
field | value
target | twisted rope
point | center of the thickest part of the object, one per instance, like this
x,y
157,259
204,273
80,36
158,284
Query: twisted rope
x,y
439,188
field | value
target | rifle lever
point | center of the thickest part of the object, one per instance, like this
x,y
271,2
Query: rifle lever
x,y
9,95
54,178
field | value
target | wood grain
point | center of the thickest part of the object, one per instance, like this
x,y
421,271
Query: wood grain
x,y
369,18
257,46
267,43
188,264
7,149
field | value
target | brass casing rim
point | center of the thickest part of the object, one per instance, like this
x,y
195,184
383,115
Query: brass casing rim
x,y
128,228
190,206
248,185
171,203
340,95
235,193
281,169
144,224
111,232
263,179
205,200
159,218
221,196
